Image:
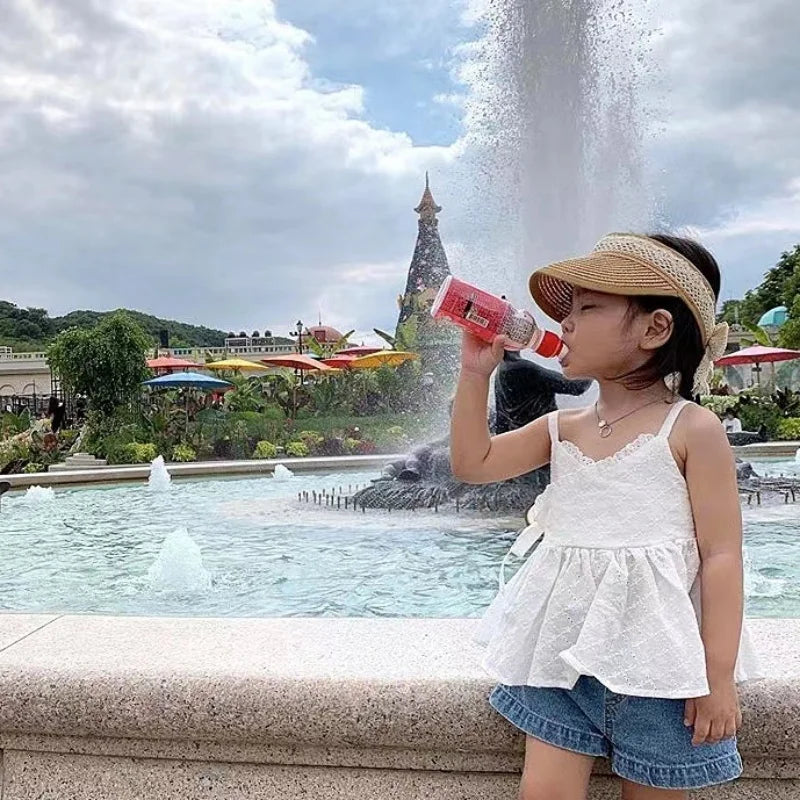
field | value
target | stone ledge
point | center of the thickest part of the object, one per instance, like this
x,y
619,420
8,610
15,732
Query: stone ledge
x,y
196,469
767,450
350,683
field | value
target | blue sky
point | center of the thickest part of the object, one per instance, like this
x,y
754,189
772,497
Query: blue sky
x,y
246,163
401,54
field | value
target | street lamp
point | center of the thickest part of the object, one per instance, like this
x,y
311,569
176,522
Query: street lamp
x,y
299,333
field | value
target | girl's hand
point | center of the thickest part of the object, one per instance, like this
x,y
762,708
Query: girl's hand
x,y
715,716
479,356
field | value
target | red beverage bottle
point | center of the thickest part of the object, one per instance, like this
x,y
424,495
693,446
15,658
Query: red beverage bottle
x,y
486,315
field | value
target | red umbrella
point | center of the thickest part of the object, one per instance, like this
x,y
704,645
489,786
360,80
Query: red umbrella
x,y
360,350
339,361
757,354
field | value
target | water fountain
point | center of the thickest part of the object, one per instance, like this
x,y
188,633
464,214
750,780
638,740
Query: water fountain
x,y
179,565
37,495
159,480
282,473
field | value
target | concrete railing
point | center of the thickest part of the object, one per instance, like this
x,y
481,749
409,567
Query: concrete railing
x,y
15,357
277,349
111,708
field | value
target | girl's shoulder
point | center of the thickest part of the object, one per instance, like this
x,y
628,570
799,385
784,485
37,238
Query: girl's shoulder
x,y
697,419
698,427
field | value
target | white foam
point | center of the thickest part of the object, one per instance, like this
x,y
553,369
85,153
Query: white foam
x,y
160,480
36,495
179,565
282,473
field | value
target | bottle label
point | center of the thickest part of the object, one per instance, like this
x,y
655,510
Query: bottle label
x,y
473,316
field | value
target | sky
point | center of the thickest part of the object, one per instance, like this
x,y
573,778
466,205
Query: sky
x,y
248,163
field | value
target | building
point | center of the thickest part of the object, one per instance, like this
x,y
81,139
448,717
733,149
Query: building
x,y
438,343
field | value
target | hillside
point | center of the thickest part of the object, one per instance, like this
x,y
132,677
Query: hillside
x,y
33,329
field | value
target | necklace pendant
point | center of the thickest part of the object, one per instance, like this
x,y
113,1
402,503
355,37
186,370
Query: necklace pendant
x,y
605,429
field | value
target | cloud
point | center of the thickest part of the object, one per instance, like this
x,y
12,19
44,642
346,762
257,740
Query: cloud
x,y
727,126
209,162
182,159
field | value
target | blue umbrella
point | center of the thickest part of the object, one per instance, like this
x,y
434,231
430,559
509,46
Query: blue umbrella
x,y
195,380
188,380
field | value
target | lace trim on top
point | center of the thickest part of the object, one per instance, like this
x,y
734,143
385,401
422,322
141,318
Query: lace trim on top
x,y
632,446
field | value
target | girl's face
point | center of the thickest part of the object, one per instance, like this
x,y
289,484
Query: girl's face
x,y
604,338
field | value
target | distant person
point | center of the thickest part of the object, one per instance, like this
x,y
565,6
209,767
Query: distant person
x,y
732,423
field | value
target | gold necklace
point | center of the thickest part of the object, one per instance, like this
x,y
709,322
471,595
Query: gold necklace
x,y
606,428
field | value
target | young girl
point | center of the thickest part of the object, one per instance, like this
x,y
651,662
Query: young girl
x,y
598,641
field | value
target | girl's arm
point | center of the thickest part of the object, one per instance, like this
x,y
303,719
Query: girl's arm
x,y
711,479
475,456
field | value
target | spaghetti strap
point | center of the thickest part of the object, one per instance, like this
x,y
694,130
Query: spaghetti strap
x,y
676,409
552,426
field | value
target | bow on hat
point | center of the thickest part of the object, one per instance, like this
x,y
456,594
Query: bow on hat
x,y
715,348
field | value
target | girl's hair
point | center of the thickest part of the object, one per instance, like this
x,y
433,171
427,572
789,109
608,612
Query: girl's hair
x,y
684,349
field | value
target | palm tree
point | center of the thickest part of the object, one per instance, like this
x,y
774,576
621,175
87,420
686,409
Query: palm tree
x,y
327,350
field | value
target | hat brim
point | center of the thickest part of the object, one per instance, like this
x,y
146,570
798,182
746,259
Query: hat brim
x,y
609,273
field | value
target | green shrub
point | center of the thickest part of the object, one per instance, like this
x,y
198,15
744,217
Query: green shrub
x,y
296,449
719,404
757,412
789,429
311,438
182,452
265,449
351,445
140,453
32,467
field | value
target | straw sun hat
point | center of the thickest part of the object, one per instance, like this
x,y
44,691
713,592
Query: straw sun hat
x,y
629,264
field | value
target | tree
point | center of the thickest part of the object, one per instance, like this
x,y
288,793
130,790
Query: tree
x,y
790,332
106,363
780,286
407,338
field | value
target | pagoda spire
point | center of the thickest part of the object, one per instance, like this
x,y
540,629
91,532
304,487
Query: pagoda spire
x,y
427,208
428,267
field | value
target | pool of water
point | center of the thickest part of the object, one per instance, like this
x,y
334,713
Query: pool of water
x,y
249,547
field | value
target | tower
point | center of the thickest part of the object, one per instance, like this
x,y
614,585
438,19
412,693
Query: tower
x,y
437,342
429,266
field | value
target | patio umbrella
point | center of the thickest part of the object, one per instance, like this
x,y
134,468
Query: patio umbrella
x,y
757,354
360,350
188,380
298,361
339,361
192,380
236,365
170,362
392,358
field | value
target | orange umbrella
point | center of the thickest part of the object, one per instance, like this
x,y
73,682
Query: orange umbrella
x,y
170,362
296,361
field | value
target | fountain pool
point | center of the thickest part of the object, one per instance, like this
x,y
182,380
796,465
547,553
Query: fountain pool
x,y
248,547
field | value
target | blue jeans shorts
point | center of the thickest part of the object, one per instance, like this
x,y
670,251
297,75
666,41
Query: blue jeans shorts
x,y
644,737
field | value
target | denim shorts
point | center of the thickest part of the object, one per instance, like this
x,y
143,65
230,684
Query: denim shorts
x,y
644,737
